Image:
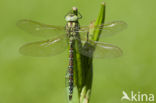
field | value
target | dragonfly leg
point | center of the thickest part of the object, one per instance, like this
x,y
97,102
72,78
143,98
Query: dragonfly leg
x,y
80,16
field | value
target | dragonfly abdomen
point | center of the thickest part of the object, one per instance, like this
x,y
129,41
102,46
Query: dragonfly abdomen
x,y
70,69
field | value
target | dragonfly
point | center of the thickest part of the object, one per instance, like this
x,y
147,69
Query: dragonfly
x,y
62,38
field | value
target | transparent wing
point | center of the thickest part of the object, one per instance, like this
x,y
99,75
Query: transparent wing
x,y
44,48
112,28
100,50
38,29
108,29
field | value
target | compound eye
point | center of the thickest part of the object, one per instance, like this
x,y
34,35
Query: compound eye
x,y
71,18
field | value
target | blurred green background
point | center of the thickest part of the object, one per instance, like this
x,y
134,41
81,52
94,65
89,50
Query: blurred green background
x,y
42,80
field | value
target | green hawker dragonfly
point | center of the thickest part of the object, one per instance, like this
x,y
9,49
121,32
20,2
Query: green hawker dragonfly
x,y
65,37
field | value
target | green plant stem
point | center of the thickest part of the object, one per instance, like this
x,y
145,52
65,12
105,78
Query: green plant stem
x,y
99,21
87,61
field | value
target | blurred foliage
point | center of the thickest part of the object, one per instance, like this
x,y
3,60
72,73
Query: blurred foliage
x,y
37,80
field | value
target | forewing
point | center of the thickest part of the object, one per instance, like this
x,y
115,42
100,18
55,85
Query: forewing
x,y
107,29
112,28
44,48
100,50
38,29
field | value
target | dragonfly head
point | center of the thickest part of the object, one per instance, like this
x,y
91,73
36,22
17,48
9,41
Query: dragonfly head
x,y
73,15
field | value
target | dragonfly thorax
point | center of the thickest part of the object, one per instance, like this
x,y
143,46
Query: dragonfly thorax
x,y
71,28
